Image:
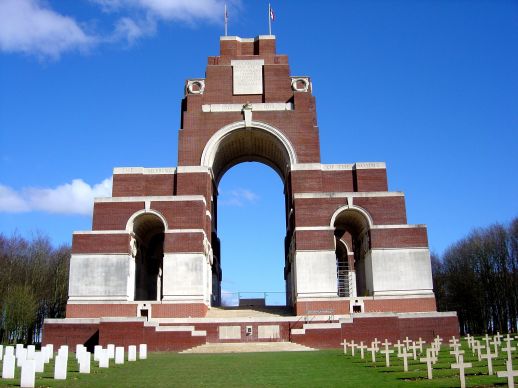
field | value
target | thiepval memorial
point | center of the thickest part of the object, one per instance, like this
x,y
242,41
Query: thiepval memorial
x,y
150,268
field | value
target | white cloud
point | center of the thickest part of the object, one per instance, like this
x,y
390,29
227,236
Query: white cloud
x,y
29,27
182,10
238,197
70,198
131,30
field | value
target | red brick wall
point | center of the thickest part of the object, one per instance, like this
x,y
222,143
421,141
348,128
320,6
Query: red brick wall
x,y
68,334
101,310
315,239
100,243
384,210
399,238
338,307
114,215
183,242
179,310
135,185
400,305
182,214
371,180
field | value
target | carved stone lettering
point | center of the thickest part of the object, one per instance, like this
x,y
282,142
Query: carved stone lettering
x,y
248,76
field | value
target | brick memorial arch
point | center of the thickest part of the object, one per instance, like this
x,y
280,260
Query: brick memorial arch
x,y
152,259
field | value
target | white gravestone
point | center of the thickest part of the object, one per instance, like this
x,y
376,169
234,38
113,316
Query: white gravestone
x,y
19,348
9,350
31,349
21,357
60,366
46,350
104,358
39,362
97,350
132,353
142,351
247,76
50,350
111,351
28,375
1,352
119,355
8,367
84,362
63,350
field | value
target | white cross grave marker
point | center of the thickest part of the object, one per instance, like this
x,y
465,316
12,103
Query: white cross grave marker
x,y
362,348
387,352
457,352
407,342
399,346
353,347
405,355
373,349
345,344
509,373
508,349
489,357
429,359
461,366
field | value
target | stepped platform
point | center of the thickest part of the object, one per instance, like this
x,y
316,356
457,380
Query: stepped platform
x,y
272,328
248,347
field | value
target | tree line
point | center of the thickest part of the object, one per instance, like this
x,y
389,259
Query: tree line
x,y
33,286
478,277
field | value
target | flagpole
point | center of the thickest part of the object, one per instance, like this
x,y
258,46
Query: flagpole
x,y
226,19
269,19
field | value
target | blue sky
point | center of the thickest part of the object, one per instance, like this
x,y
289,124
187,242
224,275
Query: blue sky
x,y
429,87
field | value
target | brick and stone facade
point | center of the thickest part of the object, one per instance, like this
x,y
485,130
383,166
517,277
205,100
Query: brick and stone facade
x,y
153,250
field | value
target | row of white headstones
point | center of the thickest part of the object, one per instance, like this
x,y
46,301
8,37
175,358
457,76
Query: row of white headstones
x,y
32,361
486,349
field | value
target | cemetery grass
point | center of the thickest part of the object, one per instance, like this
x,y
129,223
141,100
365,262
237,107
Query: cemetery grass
x,y
327,368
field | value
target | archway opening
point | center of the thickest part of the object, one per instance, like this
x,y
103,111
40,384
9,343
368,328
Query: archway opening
x,y
352,248
251,226
148,235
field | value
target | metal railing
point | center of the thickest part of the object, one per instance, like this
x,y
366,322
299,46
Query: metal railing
x,y
269,298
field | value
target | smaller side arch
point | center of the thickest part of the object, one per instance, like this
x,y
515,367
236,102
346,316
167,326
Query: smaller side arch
x,y
131,221
359,209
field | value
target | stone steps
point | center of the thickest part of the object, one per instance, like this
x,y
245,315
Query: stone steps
x,y
248,347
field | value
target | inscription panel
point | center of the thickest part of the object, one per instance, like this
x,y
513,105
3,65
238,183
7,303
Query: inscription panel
x,y
247,76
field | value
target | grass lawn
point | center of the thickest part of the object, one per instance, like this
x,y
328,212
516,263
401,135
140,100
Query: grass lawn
x,y
328,368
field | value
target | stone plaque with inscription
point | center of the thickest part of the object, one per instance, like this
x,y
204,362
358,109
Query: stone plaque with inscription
x,y
247,76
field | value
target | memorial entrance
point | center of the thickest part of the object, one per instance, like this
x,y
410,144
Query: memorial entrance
x,y
154,253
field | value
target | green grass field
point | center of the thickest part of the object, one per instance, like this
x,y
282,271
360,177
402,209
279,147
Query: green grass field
x,y
328,368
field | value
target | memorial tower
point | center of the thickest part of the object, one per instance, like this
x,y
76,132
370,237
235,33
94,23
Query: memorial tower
x,y
153,253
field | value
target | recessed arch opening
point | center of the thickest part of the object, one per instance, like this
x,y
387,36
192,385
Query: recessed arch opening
x,y
352,238
232,146
147,245
235,143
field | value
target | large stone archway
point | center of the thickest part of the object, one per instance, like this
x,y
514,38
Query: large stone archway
x,y
249,108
